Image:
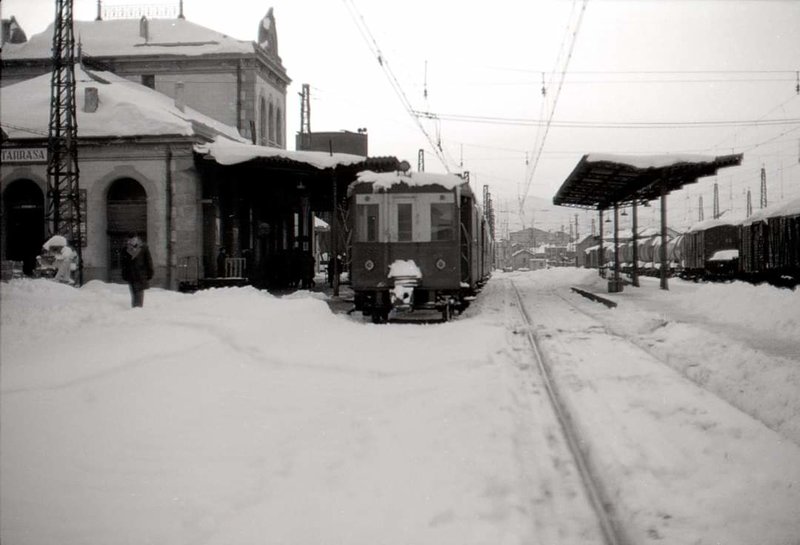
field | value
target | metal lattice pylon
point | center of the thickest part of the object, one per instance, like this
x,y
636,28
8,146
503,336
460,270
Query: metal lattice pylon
x,y
63,189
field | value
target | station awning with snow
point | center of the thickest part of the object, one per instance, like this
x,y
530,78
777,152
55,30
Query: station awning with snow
x,y
601,180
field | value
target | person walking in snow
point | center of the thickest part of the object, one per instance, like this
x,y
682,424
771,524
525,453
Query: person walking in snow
x,y
137,269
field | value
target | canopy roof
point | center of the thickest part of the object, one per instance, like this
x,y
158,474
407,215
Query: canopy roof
x,y
600,180
226,152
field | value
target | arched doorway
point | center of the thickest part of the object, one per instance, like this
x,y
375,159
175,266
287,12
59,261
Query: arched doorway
x,y
126,208
24,223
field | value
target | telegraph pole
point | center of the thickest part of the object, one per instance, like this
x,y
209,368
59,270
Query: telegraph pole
x,y
305,115
63,188
716,201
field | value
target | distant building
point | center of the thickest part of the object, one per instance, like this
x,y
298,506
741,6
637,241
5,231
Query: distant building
x,y
11,32
236,82
582,258
354,143
532,236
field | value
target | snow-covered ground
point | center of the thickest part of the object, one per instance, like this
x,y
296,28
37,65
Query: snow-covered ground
x,y
233,416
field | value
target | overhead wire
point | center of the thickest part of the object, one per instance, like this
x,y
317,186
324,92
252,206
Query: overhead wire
x,y
538,153
372,43
520,121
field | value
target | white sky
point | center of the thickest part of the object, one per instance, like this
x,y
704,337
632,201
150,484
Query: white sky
x,y
638,61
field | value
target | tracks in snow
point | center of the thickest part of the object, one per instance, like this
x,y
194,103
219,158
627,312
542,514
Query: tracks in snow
x,y
601,505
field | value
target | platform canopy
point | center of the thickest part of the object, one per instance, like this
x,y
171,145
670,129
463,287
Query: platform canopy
x,y
601,180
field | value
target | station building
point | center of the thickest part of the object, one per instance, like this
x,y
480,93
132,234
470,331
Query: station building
x,y
181,139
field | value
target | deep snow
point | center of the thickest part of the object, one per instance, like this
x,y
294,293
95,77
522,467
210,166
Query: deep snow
x,y
233,416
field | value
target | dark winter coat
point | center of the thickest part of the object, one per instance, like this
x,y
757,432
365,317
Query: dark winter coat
x,y
137,270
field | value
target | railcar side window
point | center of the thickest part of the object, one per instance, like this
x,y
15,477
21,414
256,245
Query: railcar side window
x,y
367,215
442,221
405,226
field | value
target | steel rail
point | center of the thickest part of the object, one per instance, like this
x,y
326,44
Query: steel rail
x,y
600,503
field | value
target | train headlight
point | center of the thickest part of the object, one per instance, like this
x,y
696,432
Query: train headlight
x,y
441,264
369,264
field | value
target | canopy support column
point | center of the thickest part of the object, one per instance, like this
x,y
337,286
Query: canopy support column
x,y
635,249
615,284
601,256
664,283
334,262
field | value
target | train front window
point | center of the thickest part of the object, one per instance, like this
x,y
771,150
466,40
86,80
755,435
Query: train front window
x,y
405,226
442,222
367,222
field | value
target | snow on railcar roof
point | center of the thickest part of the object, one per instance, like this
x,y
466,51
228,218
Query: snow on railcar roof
x,y
788,208
714,222
385,180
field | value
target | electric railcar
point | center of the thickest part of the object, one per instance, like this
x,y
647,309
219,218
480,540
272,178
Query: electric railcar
x,y
420,241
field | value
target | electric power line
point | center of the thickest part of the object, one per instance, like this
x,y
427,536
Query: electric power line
x,y
372,43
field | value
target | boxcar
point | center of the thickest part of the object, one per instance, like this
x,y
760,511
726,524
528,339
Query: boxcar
x,y
710,248
770,245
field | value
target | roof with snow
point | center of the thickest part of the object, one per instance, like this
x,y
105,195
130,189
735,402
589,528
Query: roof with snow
x,y
714,222
786,208
124,37
226,152
125,109
601,180
385,181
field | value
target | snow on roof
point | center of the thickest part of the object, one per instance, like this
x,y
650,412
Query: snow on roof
x,y
787,208
320,224
714,222
649,161
121,37
385,180
124,108
226,152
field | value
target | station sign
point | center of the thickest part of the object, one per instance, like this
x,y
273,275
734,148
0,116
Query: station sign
x,y
24,155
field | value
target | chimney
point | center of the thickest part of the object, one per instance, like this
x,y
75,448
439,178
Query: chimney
x,y
99,10
91,100
144,31
179,101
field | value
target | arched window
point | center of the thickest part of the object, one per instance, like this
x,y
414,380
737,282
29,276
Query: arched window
x,y
279,127
126,208
262,125
271,124
23,223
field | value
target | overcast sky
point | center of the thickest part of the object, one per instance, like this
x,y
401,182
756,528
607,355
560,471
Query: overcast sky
x,y
642,64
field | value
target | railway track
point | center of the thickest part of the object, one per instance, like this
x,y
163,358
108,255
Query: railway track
x,y
610,529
